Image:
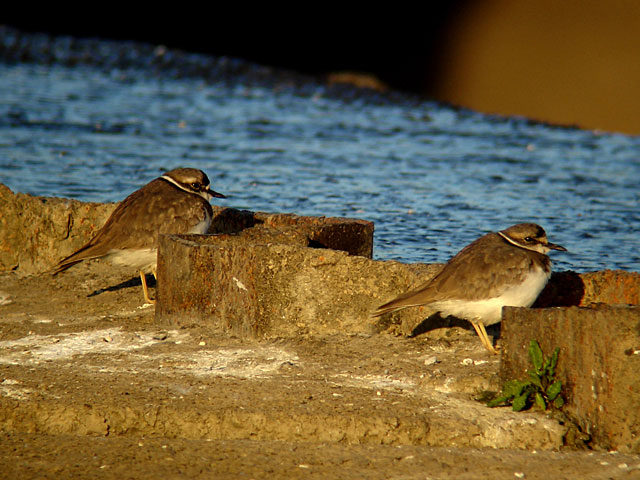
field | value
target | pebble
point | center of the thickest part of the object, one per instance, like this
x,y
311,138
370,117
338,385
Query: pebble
x,y
431,360
5,298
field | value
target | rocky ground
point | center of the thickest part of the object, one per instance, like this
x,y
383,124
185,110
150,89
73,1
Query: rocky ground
x,y
91,386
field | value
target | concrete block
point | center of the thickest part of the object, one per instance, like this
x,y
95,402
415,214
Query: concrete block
x,y
250,284
599,361
229,283
353,236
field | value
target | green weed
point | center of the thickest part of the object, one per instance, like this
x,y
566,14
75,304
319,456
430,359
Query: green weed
x,y
540,389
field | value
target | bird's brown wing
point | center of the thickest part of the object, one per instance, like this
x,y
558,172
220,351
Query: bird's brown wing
x,y
158,207
489,260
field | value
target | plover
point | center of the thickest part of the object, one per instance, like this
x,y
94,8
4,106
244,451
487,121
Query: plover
x,y
506,268
176,202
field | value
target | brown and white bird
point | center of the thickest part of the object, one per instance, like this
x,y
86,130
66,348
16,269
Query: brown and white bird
x,y
176,202
507,268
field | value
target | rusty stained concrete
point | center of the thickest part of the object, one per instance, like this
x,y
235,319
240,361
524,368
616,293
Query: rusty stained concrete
x,y
599,364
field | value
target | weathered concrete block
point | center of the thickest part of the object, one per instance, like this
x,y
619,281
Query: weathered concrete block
x,y
261,289
353,236
599,363
566,289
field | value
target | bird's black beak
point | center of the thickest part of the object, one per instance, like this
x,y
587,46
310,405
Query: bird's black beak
x,y
213,193
553,246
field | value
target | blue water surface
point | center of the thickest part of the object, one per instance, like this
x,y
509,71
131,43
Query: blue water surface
x,y
431,177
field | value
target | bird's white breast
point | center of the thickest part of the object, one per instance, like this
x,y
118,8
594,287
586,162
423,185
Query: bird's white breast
x,y
489,311
202,227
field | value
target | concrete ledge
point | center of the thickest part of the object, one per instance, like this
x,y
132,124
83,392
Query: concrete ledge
x,y
36,232
350,235
265,282
345,390
599,364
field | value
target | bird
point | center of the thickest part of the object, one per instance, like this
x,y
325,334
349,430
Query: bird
x,y
505,268
176,202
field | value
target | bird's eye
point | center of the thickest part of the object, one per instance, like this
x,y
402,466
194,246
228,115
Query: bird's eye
x,y
529,239
196,186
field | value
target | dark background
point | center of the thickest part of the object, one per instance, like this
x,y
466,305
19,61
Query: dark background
x,y
575,62
402,49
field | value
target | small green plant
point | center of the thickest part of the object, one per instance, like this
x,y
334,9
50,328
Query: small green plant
x,y
541,389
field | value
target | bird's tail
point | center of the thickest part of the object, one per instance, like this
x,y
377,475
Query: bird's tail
x,y
85,253
64,264
392,306
420,296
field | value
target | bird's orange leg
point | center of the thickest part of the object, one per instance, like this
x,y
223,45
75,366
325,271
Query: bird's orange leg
x,y
145,289
484,338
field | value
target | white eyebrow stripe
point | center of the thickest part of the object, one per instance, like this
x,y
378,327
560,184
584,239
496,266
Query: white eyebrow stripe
x,y
512,242
171,180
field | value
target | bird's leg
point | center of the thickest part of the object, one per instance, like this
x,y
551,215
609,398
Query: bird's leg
x,y
145,289
479,332
484,338
487,342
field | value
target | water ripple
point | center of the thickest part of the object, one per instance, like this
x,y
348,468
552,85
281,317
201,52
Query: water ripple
x,y
432,178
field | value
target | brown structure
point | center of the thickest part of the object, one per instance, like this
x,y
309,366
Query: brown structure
x,y
36,232
570,63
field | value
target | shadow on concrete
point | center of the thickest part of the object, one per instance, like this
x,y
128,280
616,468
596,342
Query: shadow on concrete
x,y
565,289
230,221
132,282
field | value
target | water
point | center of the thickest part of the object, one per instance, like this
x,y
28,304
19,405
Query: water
x,y
432,178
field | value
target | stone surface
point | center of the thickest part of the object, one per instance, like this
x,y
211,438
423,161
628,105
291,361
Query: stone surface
x,y
91,386
599,362
32,456
277,275
79,362
353,236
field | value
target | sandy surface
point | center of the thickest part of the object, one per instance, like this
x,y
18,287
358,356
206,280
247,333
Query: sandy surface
x,y
91,386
